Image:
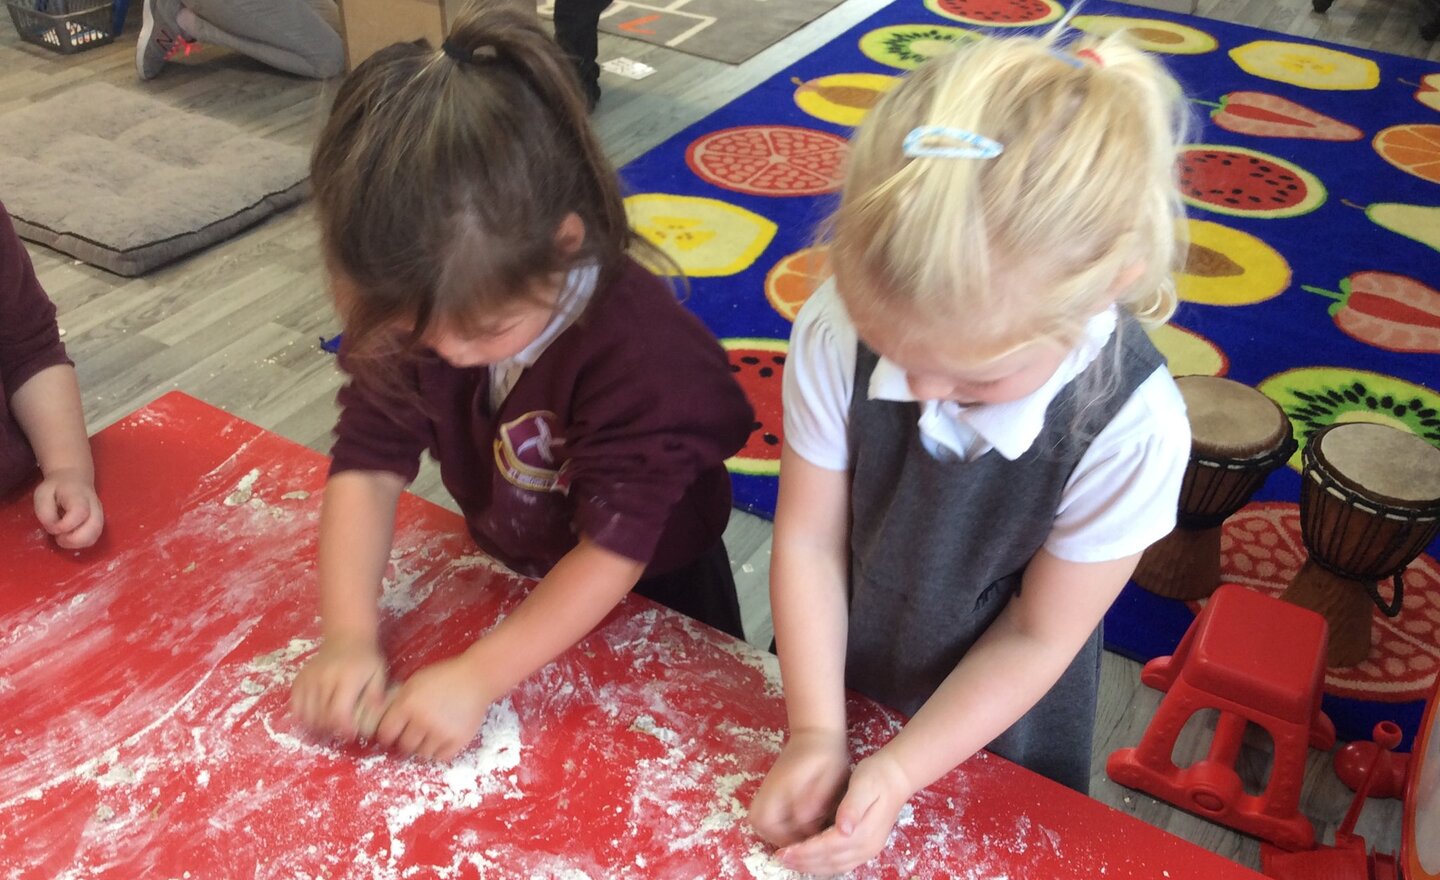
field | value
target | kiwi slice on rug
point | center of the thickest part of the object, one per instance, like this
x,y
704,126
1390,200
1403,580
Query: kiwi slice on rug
x,y
1316,397
907,46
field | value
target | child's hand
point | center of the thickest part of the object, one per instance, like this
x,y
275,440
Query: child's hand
x,y
437,712
69,509
863,821
796,799
341,685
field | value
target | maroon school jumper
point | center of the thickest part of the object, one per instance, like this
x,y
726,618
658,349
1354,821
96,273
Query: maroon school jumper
x,y
618,431
29,343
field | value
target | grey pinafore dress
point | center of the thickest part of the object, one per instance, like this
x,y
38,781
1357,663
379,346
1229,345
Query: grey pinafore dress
x,y
938,549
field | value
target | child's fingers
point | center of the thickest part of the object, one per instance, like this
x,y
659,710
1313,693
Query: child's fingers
x,y
857,804
75,510
825,854
412,739
449,751
392,725
84,534
339,709
371,706
47,508
829,853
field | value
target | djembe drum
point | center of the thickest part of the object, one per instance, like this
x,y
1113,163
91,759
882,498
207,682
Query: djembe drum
x,y
1369,503
1238,436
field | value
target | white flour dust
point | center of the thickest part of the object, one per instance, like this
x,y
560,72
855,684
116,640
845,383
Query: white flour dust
x,y
243,490
405,791
646,724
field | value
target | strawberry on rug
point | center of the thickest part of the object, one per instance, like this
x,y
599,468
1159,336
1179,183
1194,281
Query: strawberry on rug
x,y
1313,186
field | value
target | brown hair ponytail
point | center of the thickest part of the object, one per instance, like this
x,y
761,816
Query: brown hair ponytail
x,y
444,173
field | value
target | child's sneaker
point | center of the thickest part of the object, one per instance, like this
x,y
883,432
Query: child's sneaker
x,y
160,37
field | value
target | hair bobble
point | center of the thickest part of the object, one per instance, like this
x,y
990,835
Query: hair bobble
x,y
456,52
1092,55
944,142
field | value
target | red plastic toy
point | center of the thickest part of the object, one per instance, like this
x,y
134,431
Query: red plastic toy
x,y
1372,765
1256,659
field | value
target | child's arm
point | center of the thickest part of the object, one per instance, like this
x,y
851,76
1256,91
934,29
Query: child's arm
x,y
438,711
346,677
48,410
1007,671
808,577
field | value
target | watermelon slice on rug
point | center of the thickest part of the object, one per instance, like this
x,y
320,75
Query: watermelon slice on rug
x,y
759,366
997,13
769,160
1246,183
1261,114
1387,311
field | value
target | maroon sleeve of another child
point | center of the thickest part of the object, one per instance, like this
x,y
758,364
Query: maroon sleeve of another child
x,y
29,336
378,433
658,409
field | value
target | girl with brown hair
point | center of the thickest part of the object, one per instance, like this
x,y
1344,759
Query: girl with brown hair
x,y
477,247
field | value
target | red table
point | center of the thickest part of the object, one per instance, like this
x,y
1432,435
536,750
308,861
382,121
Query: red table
x,y
143,691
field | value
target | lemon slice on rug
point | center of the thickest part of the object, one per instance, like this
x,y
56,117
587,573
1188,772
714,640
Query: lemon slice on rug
x,y
1307,66
705,237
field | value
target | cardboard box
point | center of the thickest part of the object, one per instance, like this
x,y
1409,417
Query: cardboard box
x,y
368,26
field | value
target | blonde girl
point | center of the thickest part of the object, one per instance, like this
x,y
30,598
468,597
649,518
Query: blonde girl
x,y
476,242
980,438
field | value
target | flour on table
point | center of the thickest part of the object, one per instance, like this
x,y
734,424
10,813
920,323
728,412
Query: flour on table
x,y
763,865
646,724
243,490
409,790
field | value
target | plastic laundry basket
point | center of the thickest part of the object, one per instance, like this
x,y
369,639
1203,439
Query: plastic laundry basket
x,y
64,26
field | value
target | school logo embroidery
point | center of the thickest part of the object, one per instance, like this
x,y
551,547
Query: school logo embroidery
x,y
530,453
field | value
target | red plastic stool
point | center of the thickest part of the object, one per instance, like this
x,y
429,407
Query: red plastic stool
x,y
1255,659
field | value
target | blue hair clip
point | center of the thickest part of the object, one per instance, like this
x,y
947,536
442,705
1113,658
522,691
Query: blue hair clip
x,y
1067,58
943,142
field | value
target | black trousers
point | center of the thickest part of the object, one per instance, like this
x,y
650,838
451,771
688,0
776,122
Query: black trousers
x,y
704,590
576,25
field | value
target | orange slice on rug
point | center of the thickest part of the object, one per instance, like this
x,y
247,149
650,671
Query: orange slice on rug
x,y
791,281
705,237
769,160
1413,148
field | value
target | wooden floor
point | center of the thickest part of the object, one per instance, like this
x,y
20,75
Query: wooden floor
x,y
238,325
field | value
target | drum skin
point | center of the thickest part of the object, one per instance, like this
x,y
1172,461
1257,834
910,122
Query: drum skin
x,y
1369,504
1238,437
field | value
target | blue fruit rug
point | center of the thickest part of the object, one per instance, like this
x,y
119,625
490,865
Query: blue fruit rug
x,y
1314,186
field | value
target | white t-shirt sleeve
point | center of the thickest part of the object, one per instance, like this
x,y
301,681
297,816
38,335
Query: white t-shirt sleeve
x,y
1124,493
819,379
